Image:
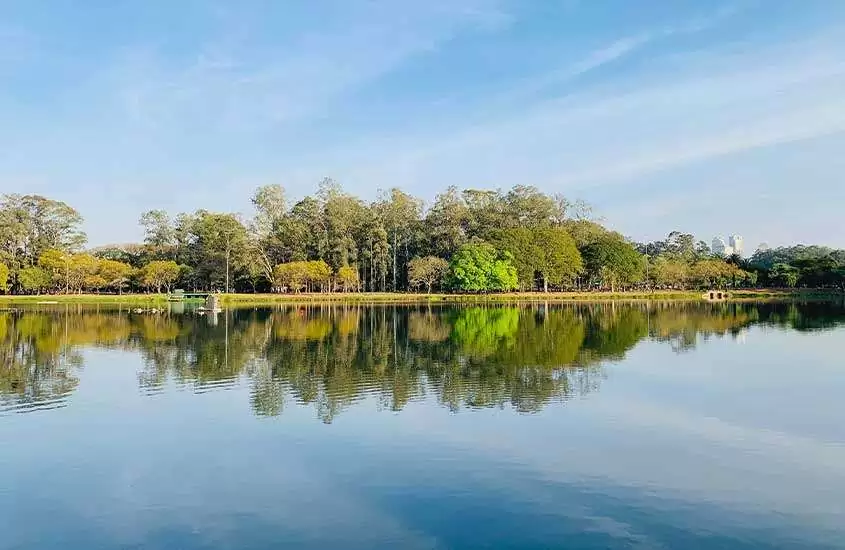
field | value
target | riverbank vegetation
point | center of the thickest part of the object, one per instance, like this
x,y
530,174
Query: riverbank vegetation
x,y
467,241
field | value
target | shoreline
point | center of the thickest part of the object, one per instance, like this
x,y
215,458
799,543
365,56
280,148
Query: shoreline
x,y
413,298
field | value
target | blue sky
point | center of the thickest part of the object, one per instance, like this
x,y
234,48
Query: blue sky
x,y
709,117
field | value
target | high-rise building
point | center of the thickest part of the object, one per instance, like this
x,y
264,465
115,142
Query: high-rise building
x,y
719,246
736,244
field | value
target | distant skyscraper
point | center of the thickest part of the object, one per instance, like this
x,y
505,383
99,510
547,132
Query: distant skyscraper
x,y
719,246
737,245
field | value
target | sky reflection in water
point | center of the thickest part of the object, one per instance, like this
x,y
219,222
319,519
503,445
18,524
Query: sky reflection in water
x,y
570,426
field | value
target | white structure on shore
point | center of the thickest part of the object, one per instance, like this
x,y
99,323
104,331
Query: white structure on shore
x,y
733,246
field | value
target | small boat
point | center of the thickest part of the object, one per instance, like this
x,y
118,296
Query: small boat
x,y
47,302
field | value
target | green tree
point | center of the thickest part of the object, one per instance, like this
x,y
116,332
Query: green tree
x,y
265,246
784,275
344,214
478,267
32,224
446,223
526,206
221,241
4,278
57,264
270,206
159,232
613,263
254,264
319,275
399,212
160,273
306,231
546,252
115,274
348,277
486,212
527,253
428,271
559,261
668,273
716,272
379,257
83,272
34,280
290,276
587,232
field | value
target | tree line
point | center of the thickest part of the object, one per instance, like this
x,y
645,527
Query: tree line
x,y
465,241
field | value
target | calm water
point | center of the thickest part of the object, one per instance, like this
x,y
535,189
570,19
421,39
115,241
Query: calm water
x,y
560,426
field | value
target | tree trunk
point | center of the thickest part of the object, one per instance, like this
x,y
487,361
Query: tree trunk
x,y
226,291
394,260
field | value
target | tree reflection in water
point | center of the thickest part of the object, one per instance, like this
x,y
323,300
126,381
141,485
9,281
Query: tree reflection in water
x,y
334,356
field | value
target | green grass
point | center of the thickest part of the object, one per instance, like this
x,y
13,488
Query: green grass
x,y
399,297
141,299
404,297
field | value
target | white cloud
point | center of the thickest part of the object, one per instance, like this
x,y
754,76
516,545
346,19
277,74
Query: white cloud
x,y
722,104
236,83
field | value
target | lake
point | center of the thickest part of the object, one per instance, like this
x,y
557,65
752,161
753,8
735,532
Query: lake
x,y
644,425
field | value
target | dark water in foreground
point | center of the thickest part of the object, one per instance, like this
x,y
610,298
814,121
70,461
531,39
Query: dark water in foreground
x,y
562,426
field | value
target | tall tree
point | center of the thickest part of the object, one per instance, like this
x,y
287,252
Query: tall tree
x,y
31,224
221,241
559,261
526,250
446,223
547,252
306,234
486,211
270,206
526,206
265,247
344,214
159,232
399,213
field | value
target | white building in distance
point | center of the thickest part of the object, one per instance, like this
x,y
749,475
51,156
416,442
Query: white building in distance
x,y
719,247
733,246
736,243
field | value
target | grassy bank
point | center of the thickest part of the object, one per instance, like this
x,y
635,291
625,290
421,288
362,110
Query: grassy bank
x,y
402,297
388,297
139,299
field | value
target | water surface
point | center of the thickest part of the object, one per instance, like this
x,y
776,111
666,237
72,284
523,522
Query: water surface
x,y
543,426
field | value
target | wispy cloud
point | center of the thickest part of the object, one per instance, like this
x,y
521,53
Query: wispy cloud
x,y
416,94
297,77
631,127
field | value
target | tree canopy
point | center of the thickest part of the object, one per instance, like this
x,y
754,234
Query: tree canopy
x,y
473,240
478,267
612,263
